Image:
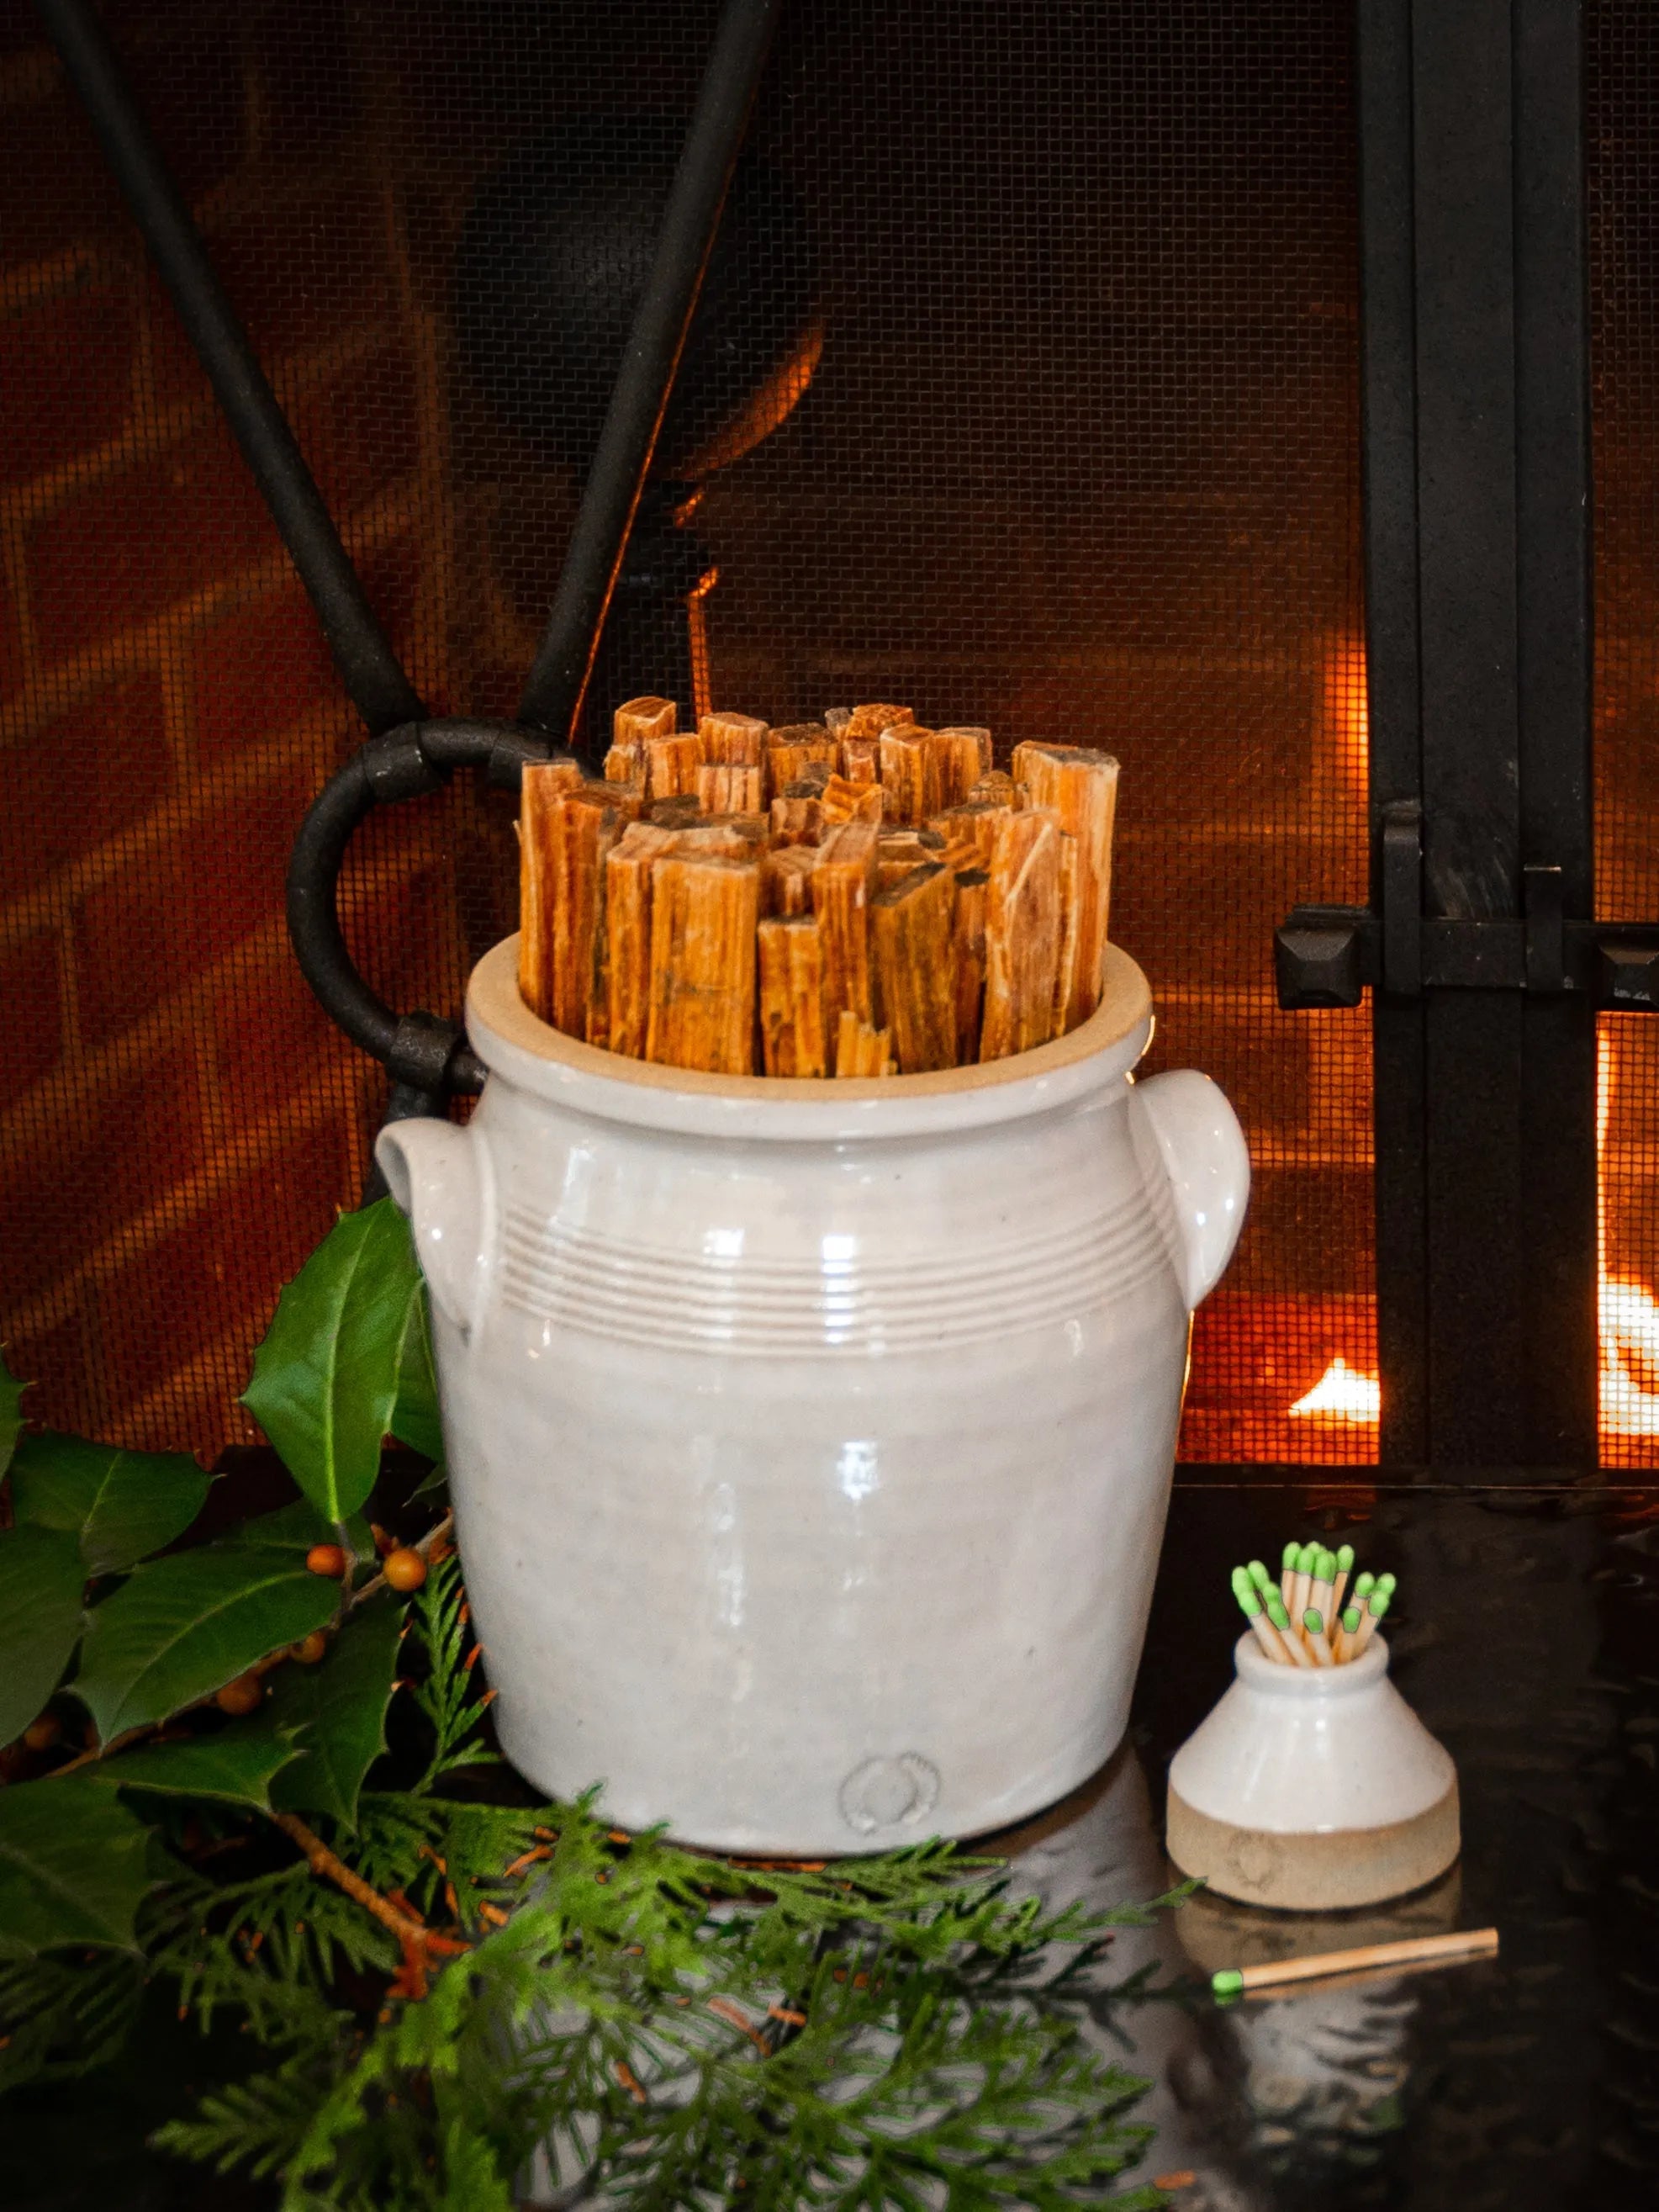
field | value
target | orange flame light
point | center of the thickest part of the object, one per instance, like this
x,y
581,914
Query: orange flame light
x,y
1628,1314
1342,1394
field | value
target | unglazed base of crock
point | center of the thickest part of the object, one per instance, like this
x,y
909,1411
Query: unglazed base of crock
x,y
810,1442
1329,1872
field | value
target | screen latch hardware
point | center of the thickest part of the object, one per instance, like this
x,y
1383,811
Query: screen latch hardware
x,y
1327,955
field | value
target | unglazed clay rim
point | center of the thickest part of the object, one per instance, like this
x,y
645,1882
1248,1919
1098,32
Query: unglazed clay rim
x,y
528,1053
1281,1681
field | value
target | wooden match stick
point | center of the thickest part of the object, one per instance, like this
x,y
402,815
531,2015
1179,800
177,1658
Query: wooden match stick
x,y
1313,1623
1261,1627
1344,1569
703,919
1376,1612
1022,932
1318,1586
1272,1606
1287,1572
1300,1599
792,996
1410,1951
910,928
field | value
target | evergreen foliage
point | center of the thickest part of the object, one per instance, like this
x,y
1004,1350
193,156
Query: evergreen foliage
x,y
441,1978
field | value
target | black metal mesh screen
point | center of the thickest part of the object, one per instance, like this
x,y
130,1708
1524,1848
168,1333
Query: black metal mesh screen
x,y
1622,82
1065,297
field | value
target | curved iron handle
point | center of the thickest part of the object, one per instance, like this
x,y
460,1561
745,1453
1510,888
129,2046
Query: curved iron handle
x,y
424,1053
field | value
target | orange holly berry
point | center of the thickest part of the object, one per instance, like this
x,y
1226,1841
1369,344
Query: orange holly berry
x,y
404,1570
40,1735
327,1559
309,1649
244,1695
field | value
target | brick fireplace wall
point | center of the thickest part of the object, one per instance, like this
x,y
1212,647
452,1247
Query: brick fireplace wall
x,y
179,1121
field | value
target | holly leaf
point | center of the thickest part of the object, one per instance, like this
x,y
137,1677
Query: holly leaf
x,y
415,1419
122,1504
74,1865
41,1579
325,1377
11,1413
338,1710
237,1764
296,1528
178,1629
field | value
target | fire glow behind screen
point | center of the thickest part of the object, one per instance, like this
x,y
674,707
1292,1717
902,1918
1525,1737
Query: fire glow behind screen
x,y
1077,458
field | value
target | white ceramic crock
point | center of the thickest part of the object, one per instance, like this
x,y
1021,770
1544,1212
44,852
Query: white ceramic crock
x,y
1313,1789
811,1442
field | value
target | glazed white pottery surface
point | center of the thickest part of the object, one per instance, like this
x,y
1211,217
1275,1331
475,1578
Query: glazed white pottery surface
x,y
1308,1750
810,1444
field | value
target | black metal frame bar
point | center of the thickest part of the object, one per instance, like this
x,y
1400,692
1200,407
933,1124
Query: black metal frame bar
x,y
408,755
554,690
1477,482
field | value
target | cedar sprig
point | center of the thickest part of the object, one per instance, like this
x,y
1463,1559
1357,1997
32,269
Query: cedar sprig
x,y
449,1694
64,2017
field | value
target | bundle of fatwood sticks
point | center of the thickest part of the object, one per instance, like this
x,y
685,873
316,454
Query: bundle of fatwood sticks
x,y
859,896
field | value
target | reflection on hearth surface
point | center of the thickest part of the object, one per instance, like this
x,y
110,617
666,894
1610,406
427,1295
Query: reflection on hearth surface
x,y
1521,2083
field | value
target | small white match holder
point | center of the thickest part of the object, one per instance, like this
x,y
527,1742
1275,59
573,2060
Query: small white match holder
x,y
1313,1789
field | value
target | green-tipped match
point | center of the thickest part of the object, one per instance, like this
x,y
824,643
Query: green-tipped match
x,y
1276,1611
1307,1559
1292,1554
1365,1586
1345,1558
1351,1620
1259,1575
1228,1983
1387,1584
1379,1604
1312,1622
1244,1591
1327,1566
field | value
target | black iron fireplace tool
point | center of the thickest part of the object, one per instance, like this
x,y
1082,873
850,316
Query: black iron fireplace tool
x,y
408,752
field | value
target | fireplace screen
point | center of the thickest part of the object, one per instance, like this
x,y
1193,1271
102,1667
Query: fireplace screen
x,y
1030,399
1622,87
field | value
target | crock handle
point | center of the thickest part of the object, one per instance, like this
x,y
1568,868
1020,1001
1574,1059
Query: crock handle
x,y
1196,1168
435,1176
